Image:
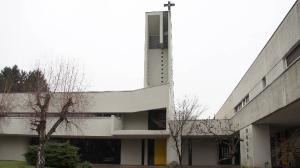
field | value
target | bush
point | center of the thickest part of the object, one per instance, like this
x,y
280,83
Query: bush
x,y
58,155
85,164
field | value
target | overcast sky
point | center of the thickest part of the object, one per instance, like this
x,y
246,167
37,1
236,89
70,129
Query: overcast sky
x,y
214,42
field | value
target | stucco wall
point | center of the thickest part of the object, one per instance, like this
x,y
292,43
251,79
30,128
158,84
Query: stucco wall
x,y
131,151
13,147
269,62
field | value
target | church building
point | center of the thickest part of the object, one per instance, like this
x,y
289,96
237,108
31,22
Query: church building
x,y
129,127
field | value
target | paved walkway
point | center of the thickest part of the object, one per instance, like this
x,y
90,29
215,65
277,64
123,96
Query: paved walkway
x,y
119,166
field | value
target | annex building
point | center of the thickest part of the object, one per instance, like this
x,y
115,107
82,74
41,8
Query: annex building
x,y
265,104
122,127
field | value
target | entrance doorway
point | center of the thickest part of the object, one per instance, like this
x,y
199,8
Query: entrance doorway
x,y
157,152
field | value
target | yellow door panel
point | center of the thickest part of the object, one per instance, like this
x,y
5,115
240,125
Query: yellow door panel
x,y
159,152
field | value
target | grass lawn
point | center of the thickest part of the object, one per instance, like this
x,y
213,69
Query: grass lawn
x,y
14,164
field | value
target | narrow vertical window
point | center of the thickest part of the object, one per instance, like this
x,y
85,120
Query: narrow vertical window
x,y
264,82
154,31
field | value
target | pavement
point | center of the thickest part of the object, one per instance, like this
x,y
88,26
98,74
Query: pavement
x,y
124,166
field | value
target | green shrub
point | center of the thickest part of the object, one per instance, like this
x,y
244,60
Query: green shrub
x,y
85,164
58,155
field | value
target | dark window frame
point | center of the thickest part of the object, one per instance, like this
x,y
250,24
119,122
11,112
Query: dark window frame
x,y
293,56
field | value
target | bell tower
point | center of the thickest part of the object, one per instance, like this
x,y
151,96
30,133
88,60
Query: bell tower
x,y
158,47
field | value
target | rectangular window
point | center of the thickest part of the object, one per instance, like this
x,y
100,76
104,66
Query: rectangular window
x,y
98,151
264,82
154,42
242,103
165,29
154,31
293,56
157,119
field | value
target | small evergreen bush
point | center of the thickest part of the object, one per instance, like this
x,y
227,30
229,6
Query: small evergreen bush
x,y
86,164
57,155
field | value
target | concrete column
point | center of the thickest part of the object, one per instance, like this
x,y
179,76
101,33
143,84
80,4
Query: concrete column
x,y
146,152
255,147
171,151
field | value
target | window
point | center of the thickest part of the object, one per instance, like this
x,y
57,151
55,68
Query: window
x,y
154,31
264,82
242,103
293,56
157,119
165,29
99,151
154,42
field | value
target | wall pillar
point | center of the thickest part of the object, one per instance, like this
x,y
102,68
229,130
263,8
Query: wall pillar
x,y
171,151
255,147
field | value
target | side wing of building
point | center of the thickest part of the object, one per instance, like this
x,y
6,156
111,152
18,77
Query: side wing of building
x,y
277,59
105,113
266,102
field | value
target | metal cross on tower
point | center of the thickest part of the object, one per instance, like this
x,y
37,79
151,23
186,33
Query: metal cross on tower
x,y
169,5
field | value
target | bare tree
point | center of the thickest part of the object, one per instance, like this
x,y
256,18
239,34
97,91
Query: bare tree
x,y
224,132
290,149
56,90
5,100
184,123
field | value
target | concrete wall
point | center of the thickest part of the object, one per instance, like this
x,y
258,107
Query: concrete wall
x,y
204,152
269,62
136,121
13,147
117,123
261,145
106,102
157,67
158,62
171,151
246,146
88,127
283,91
255,147
131,151
95,127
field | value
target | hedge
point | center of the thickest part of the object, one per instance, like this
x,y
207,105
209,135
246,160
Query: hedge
x,y
57,155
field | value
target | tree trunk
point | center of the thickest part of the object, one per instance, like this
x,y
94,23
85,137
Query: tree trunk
x,y
40,161
178,149
180,160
